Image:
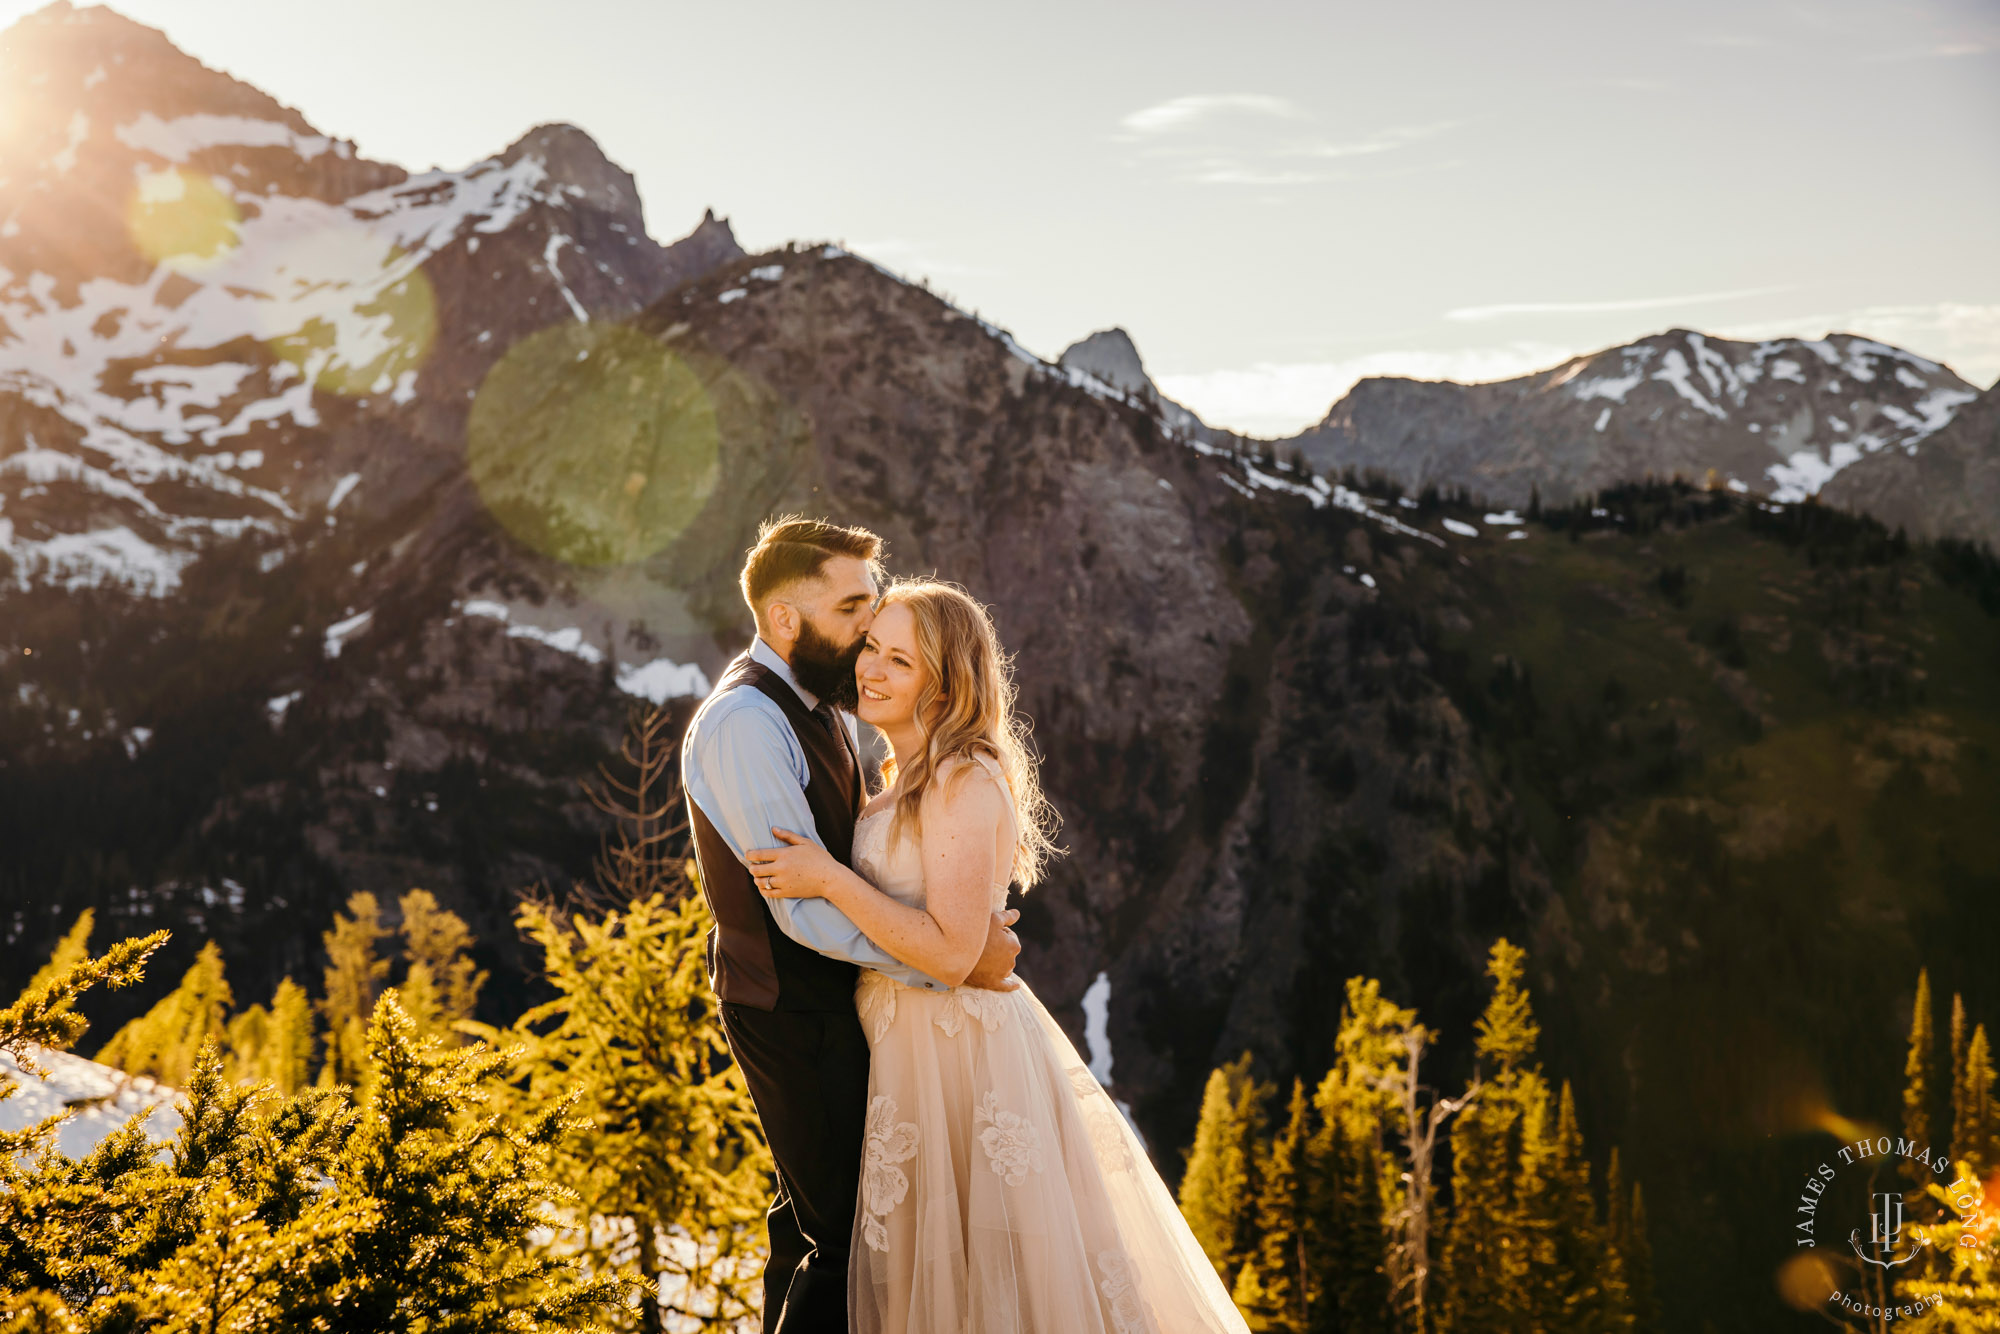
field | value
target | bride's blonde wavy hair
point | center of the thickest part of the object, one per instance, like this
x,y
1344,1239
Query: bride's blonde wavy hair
x,y
966,706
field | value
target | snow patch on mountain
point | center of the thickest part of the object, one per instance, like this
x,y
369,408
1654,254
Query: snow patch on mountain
x,y
99,558
158,375
181,138
658,680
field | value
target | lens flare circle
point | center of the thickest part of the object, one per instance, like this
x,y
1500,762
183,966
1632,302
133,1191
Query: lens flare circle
x,y
592,443
183,220
352,312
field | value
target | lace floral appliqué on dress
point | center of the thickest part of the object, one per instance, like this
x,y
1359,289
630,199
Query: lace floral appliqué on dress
x,y
1012,1143
883,1184
1126,1316
961,1003
875,998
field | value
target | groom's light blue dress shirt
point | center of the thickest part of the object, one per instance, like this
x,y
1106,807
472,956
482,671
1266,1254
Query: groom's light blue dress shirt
x,y
743,765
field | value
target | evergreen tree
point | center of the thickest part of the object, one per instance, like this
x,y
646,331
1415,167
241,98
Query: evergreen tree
x,y
1352,1185
1918,1079
440,985
1638,1256
270,1214
1507,1031
163,1042
1617,1204
353,978
1972,1139
1958,1039
1625,1233
1481,1258
71,950
274,1044
1533,1215
1218,1191
1275,1297
1588,1276
461,1191
672,1140
1347,1282
1488,1234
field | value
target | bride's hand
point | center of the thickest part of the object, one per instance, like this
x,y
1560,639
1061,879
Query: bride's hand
x,y
802,869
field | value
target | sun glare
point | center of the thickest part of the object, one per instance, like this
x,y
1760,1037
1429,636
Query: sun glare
x,y
181,219
593,443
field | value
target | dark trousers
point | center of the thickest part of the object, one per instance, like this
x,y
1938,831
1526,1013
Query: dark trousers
x,y
808,1074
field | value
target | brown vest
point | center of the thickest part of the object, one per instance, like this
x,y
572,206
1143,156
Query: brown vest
x,y
750,961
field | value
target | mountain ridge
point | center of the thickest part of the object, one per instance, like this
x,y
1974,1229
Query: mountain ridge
x,y
1781,417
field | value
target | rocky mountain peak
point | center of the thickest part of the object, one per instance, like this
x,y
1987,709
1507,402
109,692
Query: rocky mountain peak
x,y
708,247
575,165
61,63
1110,355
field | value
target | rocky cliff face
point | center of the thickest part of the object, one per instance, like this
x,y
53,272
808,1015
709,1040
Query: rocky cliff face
x,y
1110,355
1783,418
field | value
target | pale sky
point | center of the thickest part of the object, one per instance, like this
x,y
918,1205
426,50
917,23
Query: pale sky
x,y
1272,198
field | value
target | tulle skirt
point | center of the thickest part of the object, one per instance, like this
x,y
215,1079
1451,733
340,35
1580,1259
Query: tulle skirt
x,y
1002,1191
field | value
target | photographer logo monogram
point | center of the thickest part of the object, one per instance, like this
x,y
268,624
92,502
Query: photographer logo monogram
x,y
1880,1239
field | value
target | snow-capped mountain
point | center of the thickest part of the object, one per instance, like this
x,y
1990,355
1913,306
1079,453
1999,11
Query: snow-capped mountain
x,y
213,318
1782,417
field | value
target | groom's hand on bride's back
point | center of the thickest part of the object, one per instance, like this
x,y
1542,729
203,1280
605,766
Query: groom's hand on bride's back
x,y
995,969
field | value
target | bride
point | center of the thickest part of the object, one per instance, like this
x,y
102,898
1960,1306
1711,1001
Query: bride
x,y
1001,1190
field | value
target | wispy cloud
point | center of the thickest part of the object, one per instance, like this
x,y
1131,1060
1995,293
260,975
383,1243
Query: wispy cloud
x,y
1253,139
1475,313
1382,141
1181,113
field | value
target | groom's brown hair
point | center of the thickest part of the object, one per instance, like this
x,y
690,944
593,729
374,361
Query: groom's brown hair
x,y
791,547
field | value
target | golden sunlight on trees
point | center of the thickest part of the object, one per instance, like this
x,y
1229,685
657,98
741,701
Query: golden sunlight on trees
x,y
164,1042
1957,1279
1332,1218
596,1165
671,1172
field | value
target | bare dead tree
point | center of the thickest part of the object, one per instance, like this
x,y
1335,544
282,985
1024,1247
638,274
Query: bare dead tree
x,y
644,853
1409,1259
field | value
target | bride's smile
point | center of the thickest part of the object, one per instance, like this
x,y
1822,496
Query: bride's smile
x,y
889,673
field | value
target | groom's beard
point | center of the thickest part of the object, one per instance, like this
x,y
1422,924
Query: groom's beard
x,y
826,669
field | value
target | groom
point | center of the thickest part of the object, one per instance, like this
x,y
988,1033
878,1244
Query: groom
x,y
772,747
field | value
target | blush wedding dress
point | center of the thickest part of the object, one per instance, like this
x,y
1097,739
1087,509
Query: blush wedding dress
x,y
1002,1191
